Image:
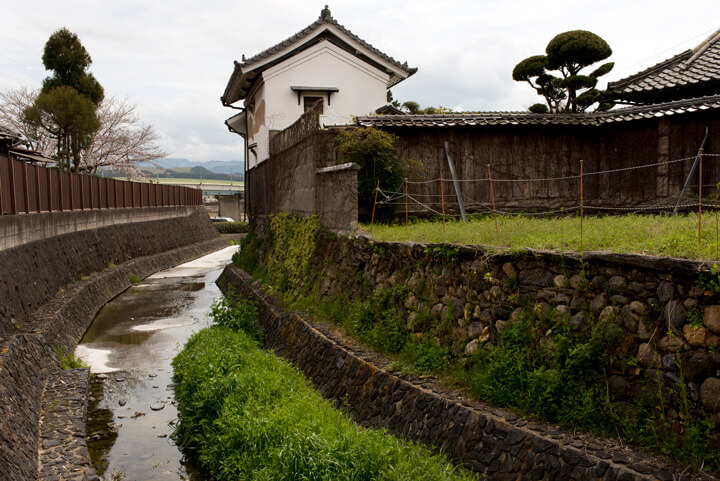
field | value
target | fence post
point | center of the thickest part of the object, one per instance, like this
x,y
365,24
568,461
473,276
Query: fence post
x,y
13,191
455,181
406,206
37,187
492,195
692,171
700,181
49,189
442,196
372,217
26,188
60,188
581,206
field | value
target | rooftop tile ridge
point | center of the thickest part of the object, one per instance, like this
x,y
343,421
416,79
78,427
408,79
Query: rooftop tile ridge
x,y
703,47
658,67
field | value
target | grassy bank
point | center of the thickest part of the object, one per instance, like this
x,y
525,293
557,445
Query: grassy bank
x,y
247,414
663,235
542,364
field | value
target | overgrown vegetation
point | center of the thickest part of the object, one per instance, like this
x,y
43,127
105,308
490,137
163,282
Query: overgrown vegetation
x,y
246,414
374,151
68,359
546,366
134,279
231,227
543,365
663,235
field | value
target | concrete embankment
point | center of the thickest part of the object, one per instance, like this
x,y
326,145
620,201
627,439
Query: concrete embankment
x,y
48,297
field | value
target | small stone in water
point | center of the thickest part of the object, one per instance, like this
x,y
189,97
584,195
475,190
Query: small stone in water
x,y
120,379
157,407
122,401
152,374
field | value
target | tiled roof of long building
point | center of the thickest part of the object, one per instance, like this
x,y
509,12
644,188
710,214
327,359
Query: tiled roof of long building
x,y
692,68
468,119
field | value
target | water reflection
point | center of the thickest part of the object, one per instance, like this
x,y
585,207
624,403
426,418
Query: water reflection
x,y
130,345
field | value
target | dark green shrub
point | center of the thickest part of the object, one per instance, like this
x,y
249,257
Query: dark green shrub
x,y
238,314
231,227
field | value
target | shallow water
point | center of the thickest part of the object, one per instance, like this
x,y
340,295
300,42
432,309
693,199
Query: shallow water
x,y
130,345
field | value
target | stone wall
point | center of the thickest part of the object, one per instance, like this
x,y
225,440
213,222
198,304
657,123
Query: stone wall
x,y
488,440
34,271
670,323
301,179
51,312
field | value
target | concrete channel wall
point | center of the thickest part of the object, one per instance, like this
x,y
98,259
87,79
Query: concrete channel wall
x,y
49,296
491,441
20,229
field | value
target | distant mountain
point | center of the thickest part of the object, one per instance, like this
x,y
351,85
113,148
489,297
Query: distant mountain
x,y
216,166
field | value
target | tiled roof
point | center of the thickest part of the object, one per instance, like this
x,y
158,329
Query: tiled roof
x,y
468,119
246,66
325,18
690,69
7,135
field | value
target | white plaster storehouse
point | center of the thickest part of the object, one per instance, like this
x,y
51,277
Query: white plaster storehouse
x,y
324,62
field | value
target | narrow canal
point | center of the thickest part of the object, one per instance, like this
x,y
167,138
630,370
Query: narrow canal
x,y
129,347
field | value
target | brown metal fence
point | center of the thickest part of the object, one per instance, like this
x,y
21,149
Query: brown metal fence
x,y
26,188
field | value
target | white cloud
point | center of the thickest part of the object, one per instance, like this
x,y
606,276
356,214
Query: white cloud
x,y
173,59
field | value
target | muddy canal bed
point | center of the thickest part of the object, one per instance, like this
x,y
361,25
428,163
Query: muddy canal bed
x,y
129,348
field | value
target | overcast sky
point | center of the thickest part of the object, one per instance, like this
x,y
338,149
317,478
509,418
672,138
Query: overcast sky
x,y
173,59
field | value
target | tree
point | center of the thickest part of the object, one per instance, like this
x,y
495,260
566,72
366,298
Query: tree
x,y
66,57
121,141
67,117
414,108
567,53
13,103
374,151
66,106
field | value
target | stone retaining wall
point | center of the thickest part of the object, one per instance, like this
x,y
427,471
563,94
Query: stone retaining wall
x,y
491,441
28,357
667,310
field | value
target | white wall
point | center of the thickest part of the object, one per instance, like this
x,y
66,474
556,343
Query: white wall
x,y
362,89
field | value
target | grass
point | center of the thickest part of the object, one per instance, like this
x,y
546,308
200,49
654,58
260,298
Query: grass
x,y
135,279
541,364
68,360
247,414
663,235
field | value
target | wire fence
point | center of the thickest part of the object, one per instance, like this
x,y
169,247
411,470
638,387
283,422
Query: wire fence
x,y
453,205
26,188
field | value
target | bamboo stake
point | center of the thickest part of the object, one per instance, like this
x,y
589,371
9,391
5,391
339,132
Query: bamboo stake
x,y
492,195
581,206
372,218
406,206
700,196
442,197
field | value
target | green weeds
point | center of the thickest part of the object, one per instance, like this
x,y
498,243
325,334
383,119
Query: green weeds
x,y
236,314
68,359
134,279
642,234
246,414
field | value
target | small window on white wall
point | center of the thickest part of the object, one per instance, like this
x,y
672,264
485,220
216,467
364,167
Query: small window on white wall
x,y
309,102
